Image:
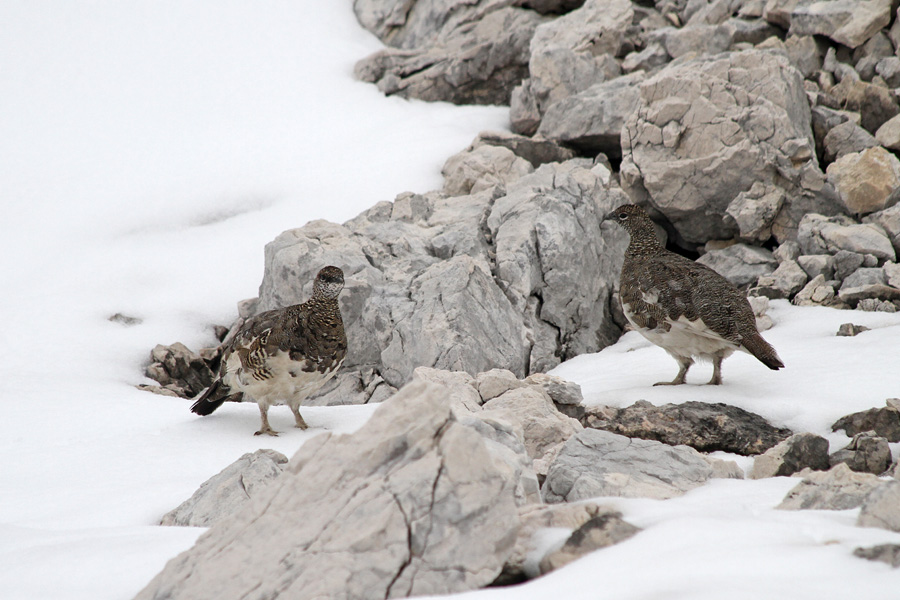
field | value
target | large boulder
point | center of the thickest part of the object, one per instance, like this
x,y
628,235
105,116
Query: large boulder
x,y
517,278
836,489
865,180
410,504
848,22
881,508
599,463
885,422
743,116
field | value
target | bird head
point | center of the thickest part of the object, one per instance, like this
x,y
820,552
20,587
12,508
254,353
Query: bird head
x,y
636,222
329,282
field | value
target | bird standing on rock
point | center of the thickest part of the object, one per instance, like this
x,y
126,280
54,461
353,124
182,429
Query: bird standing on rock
x,y
283,356
683,307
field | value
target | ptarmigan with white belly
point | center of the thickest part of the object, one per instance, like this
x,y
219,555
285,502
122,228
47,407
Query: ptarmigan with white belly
x,y
283,356
684,307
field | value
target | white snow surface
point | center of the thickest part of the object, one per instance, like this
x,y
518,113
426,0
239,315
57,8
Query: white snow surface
x,y
150,151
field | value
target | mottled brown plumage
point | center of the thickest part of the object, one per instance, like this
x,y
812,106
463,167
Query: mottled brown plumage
x,y
684,307
282,356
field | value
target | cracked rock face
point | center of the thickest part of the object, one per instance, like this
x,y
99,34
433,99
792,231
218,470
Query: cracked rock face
x,y
599,463
518,278
743,116
411,504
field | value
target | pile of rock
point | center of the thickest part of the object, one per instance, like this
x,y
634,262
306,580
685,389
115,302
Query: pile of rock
x,y
742,125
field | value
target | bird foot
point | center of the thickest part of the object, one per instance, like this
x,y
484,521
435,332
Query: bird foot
x,y
675,382
267,431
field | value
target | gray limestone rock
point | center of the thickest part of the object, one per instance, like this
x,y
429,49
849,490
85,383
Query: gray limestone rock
x,y
885,422
865,276
591,120
804,53
740,263
224,494
786,252
535,150
410,504
839,488
648,59
888,135
798,452
788,279
882,507
524,113
542,424
875,104
571,53
817,264
892,274
848,22
743,115
889,221
755,210
600,532
865,180
866,453
404,24
889,70
846,263
461,395
477,62
562,392
816,292
496,382
481,168
705,427
818,234
846,138
179,370
518,281
886,553
537,519
600,463
850,330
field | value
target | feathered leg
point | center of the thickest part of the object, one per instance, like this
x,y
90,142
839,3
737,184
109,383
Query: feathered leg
x,y
684,363
264,417
300,422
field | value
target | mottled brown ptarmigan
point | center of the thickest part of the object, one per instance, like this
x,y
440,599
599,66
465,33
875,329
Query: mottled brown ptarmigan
x,y
684,307
282,356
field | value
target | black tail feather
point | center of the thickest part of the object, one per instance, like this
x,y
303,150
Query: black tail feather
x,y
211,399
763,351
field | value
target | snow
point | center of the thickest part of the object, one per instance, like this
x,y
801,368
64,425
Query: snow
x,y
150,151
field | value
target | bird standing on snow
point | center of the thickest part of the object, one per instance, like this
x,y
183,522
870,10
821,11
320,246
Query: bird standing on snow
x,y
684,307
282,356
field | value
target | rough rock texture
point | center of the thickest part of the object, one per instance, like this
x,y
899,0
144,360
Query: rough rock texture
x,y
885,422
866,453
536,150
478,62
846,138
850,330
600,532
798,452
889,221
886,553
819,234
739,263
754,211
875,104
785,281
599,463
519,281
577,50
882,507
848,22
865,179
562,392
836,489
224,494
705,427
536,520
481,168
543,425
496,382
179,370
592,120
410,504
742,115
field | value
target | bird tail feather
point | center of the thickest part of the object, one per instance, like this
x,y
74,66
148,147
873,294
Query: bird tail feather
x,y
212,398
761,349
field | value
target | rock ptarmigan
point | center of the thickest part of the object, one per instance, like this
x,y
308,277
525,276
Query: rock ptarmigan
x,y
282,356
684,307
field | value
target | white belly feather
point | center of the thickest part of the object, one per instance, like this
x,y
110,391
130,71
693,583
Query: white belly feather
x,y
685,338
289,383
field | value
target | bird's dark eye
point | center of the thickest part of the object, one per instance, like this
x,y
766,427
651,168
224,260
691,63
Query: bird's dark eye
x,y
622,216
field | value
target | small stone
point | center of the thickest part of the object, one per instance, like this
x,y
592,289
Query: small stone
x,y
125,320
495,382
866,453
600,532
885,422
888,135
886,553
839,488
560,391
865,276
846,263
865,179
792,455
787,251
849,330
817,264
